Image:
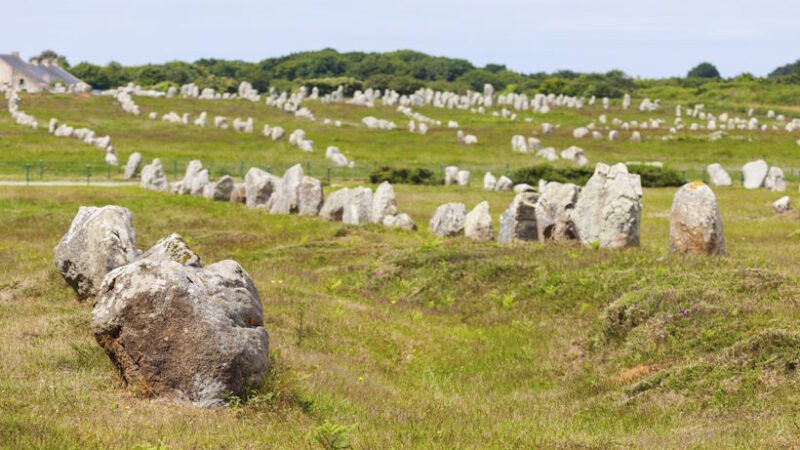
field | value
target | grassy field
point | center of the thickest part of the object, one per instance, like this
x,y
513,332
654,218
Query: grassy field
x,y
386,339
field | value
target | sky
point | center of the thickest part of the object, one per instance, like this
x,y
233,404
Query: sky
x,y
643,38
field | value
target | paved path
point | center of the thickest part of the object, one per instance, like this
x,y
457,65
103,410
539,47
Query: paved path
x,y
70,183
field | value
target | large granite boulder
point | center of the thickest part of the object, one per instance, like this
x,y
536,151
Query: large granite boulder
x,y
478,223
518,222
259,187
333,207
357,206
609,208
448,220
287,198
154,178
775,181
718,176
695,225
98,241
754,174
309,197
183,332
384,203
554,212
132,166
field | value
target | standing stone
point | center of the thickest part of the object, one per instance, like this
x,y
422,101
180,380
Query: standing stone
x,y
222,189
450,175
183,332
448,220
754,174
489,182
718,176
478,223
357,206
98,241
554,212
333,208
518,222
310,197
384,202
504,184
608,210
132,165
402,221
286,198
463,177
199,182
173,248
695,225
782,204
259,187
775,180
154,178
192,170
239,193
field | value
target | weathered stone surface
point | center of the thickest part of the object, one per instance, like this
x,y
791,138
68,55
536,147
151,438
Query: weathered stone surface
x,y
222,189
239,193
518,222
259,187
695,225
309,197
357,206
489,182
402,221
199,182
718,176
448,219
775,180
182,332
384,202
754,174
192,171
287,197
173,248
478,223
98,241
132,166
504,184
782,204
463,177
554,212
153,177
608,210
333,208
450,175
524,187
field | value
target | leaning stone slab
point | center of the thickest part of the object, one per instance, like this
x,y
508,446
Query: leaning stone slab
x,y
718,176
132,166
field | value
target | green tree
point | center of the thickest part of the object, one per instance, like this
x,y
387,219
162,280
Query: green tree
x,y
704,70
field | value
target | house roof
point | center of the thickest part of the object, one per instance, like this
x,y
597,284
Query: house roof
x,y
44,74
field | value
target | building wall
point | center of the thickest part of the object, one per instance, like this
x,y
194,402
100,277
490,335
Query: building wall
x,y
12,78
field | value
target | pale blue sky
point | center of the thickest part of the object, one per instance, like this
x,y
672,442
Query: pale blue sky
x,y
643,38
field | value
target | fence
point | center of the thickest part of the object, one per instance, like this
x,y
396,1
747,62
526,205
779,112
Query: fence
x,y
175,169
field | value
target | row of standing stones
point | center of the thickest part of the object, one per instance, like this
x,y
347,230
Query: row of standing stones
x,y
606,213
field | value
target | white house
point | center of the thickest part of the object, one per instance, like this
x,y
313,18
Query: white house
x,y
35,76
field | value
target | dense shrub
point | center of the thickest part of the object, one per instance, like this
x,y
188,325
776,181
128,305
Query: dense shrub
x,y
403,176
651,176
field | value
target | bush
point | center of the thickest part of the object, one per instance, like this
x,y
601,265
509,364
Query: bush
x,y
330,84
651,176
402,176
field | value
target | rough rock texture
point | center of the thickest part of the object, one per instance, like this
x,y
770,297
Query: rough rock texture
x,y
478,223
98,241
489,182
518,222
775,180
554,212
309,197
239,193
782,204
183,332
173,248
357,206
192,170
222,189
450,175
695,225
132,166
287,198
154,178
259,187
609,208
754,174
333,208
199,182
718,176
448,219
463,177
384,203
504,184
402,221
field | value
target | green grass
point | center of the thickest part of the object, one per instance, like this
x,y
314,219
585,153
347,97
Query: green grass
x,y
386,339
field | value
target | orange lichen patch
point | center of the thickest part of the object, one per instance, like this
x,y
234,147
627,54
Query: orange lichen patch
x,y
695,184
625,376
